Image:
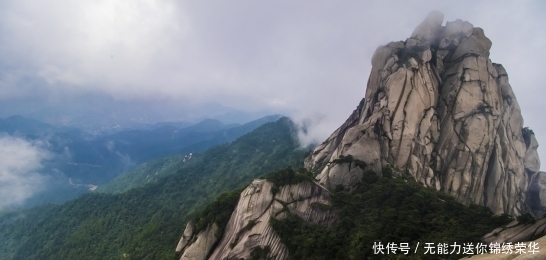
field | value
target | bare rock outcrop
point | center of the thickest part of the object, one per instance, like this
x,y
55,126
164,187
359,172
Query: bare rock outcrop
x,y
536,195
249,227
186,237
438,108
516,232
201,245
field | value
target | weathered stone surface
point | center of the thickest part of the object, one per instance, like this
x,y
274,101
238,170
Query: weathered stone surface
x,y
536,195
249,227
531,160
412,42
453,33
186,237
515,232
446,114
477,43
200,248
323,153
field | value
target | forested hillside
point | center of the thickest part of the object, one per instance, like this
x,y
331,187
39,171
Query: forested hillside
x,y
153,170
146,173
146,222
382,210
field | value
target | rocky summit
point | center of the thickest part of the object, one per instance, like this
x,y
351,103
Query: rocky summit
x,y
436,108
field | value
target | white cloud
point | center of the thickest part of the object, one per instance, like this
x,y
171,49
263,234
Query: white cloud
x,y
20,161
298,58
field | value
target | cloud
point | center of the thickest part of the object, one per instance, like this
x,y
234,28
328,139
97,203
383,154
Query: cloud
x,y
20,162
295,58
312,129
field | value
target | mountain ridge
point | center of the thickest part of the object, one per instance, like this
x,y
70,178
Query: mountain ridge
x,y
143,222
78,157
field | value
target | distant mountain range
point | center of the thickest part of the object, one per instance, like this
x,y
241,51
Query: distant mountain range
x,y
144,222
20,125
102,115
89,160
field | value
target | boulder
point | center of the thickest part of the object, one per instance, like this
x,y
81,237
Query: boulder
x,y
202,245
186,237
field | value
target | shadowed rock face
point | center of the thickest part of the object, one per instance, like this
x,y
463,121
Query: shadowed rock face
x,y
438,108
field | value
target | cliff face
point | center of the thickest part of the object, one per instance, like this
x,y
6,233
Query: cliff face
x,y
249,228
439,109
435,107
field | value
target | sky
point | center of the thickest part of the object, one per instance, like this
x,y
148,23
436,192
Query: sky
x,y
306,59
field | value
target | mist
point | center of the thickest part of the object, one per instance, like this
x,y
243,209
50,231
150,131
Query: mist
x,y
20,163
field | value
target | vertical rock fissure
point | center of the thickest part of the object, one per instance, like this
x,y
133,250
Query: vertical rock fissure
x,y
412,84
400,97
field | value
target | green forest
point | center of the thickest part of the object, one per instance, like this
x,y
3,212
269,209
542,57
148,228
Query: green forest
x,y
387,209
375,210
146,222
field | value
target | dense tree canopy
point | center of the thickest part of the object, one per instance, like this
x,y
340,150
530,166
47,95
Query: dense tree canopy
x,y
387,209
146,222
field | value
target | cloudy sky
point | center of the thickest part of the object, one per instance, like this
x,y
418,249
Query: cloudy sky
x,y
306,59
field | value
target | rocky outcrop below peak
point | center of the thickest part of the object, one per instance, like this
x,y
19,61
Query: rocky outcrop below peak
x,y
197,248
517,232
249,229
437,108
536,194
186,237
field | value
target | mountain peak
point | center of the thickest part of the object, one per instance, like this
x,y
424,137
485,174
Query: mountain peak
x,y
437,108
